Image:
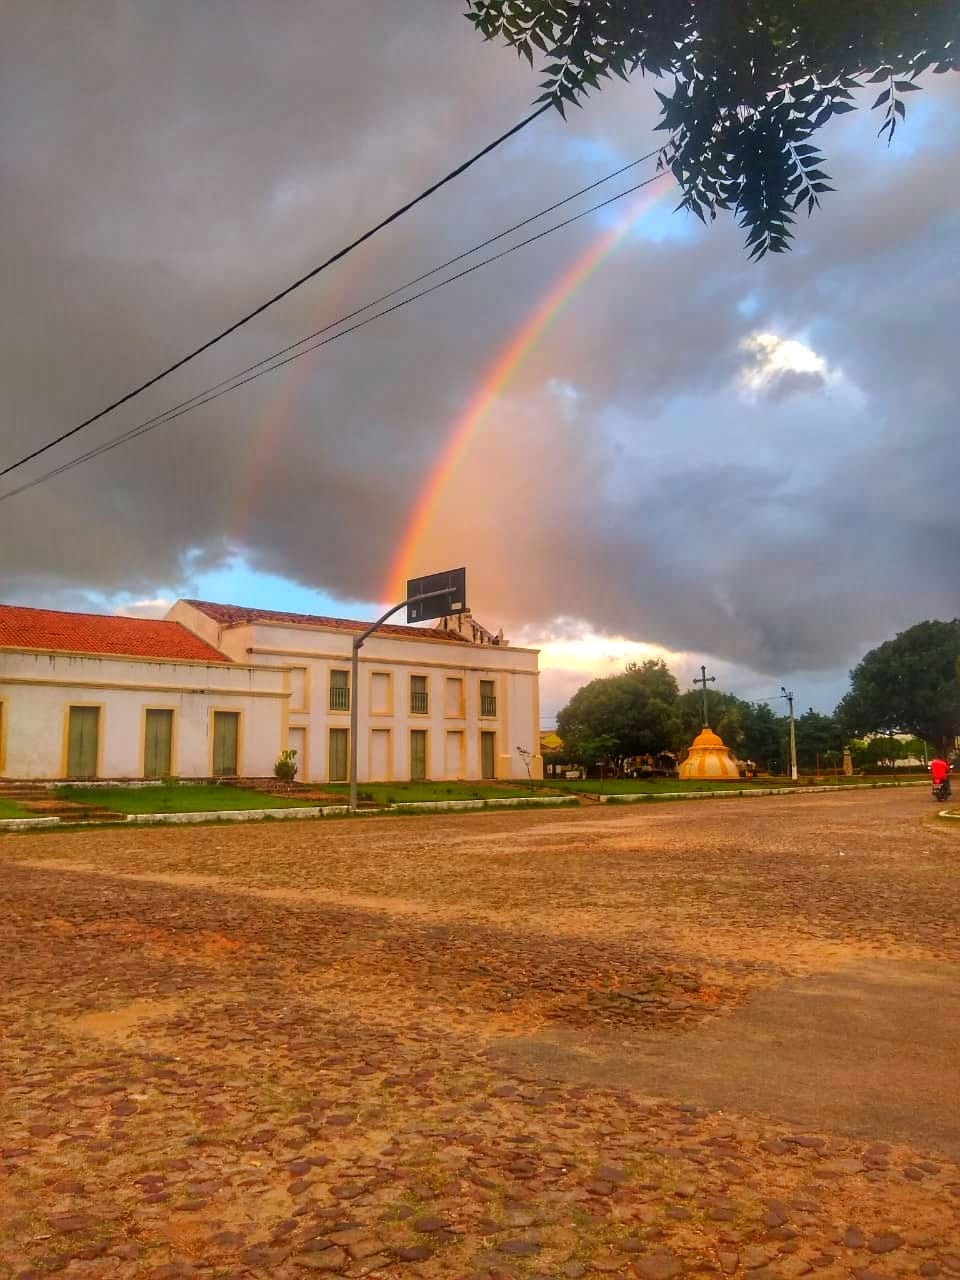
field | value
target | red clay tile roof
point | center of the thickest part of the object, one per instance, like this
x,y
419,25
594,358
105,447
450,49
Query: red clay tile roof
x,y
23,628
234,613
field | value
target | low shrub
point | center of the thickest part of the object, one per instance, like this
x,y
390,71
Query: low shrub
x,y
286,767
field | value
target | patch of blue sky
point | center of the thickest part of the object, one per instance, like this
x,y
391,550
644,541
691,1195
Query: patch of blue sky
x,y
237,582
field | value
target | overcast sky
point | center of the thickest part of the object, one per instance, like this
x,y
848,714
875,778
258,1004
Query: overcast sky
x,y
749,465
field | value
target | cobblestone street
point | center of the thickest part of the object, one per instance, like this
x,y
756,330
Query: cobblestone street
x,y
711,1038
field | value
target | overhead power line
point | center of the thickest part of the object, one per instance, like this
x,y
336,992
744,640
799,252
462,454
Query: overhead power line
x,y
256,371
277,297
385,297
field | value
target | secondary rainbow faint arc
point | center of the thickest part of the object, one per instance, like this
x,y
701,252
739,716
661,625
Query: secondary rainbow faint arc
x,y
492,384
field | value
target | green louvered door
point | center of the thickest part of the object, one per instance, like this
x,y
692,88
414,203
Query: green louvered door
x,y
83,739
488,755
418,755
339,745
158,743
226,736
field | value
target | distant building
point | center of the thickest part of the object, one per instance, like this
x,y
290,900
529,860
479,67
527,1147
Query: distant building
x,y
219,690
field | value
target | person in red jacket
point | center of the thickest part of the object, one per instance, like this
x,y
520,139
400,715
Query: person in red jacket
x,y
940,772
939,769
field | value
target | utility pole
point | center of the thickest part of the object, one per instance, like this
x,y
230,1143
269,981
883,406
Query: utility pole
x,y
794,773
704,679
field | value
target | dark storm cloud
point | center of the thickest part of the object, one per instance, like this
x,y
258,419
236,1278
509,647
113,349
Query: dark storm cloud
x,y
167,167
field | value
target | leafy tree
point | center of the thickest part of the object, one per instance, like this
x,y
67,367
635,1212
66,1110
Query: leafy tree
x,y
617,716
908,685
753,81
763,736
817,736
655,677
884,750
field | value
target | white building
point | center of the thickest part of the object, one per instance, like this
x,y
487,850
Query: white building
x,y
219,690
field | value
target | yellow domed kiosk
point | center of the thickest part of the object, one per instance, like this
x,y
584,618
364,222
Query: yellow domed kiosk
x,y
709,758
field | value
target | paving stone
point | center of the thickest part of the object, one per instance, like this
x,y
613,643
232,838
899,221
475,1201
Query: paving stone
x,y
658,1266
756,1255
793,1268
414,1253
328,1260
371,1265
884,1243
429,1225
520,1248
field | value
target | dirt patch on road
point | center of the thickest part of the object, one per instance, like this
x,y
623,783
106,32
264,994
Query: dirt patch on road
x,y
121,1022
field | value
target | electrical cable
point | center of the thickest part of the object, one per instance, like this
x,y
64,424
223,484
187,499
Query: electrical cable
x,y
341,253
374,302
203,398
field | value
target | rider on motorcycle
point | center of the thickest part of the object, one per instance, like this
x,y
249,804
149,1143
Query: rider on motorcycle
x,y
940,775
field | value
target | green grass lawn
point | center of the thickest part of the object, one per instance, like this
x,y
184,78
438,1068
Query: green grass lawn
x,y
663,786
10,810
430,792
181,797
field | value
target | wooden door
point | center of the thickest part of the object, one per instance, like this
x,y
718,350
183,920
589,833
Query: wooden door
x,y
488,755
339,744
158,743
226,738
83,742
418,755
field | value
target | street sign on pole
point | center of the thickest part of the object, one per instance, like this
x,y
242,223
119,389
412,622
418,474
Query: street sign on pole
x,y
438,595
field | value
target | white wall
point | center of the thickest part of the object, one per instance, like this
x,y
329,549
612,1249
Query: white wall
x,y
36,691
319,650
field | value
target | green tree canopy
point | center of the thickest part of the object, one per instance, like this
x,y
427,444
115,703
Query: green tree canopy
x,y
820,739
753,80
764,736
908,685
885,750
625,715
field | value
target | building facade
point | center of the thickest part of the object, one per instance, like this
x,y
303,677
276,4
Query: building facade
x,y
218,690
446,702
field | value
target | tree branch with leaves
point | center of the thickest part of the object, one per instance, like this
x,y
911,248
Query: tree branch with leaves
x,y
753,81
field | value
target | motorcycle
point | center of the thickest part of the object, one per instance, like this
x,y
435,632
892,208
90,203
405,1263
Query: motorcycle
x,y
941,789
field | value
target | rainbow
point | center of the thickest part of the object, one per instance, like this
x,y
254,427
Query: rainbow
x,y
492,384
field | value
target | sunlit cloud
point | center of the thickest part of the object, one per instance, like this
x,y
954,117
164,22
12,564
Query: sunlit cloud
x,y
144,608
779,367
